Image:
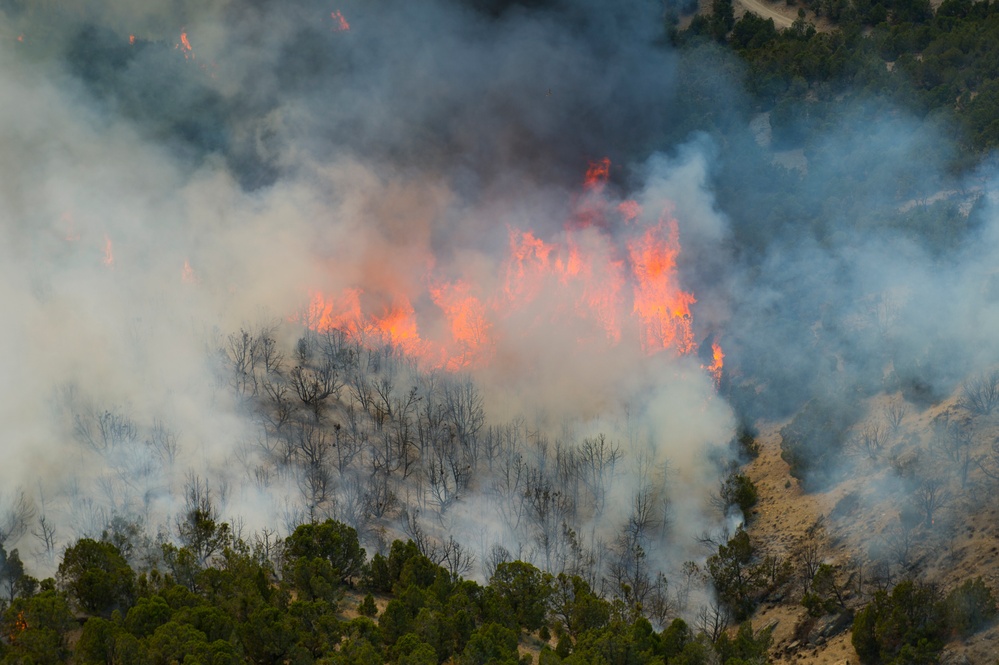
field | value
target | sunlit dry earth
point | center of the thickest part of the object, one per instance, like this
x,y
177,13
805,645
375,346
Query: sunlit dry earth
x,y
960,544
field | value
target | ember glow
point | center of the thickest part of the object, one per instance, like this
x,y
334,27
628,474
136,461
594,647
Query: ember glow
x,y
610,278
339,22
717,362
185,46
18,626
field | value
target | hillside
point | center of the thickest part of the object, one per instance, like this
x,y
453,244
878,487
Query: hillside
x,y
857,524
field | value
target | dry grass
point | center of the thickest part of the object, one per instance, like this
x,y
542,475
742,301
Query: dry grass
x,y
961,543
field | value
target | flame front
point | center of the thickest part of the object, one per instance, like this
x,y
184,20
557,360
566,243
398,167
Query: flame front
x,y
471,344
661,306
608,279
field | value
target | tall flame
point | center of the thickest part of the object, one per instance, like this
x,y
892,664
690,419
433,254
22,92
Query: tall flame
x,y
468,323
662,307
717,362
604,288
185,46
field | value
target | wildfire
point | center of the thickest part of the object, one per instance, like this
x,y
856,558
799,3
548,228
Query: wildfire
x,y
20,625
602,289
597,174
185,46
339,22
662,307
717,362
468,323
131,40
394,325
629,210
187,274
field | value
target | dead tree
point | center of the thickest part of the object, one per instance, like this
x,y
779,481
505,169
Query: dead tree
x,y
315,385
712,620
242,359
164,442
16,513
338,349
449,469
347,446
402,434
901,542
893,413
315,482
547,508
871,440
278,407
456,558
361,391
954,442
104,431
930,496
980,393
463,408
509,487
598,460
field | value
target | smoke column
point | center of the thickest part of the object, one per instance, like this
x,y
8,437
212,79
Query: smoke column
x,y
174,172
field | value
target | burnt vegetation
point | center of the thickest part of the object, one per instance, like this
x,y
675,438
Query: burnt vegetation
x,y
571,535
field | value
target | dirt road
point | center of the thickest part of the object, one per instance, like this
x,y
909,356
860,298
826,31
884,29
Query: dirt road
x,y
763,9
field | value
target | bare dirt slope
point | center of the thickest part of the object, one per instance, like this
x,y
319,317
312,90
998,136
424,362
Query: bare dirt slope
x,y
782,15
857,524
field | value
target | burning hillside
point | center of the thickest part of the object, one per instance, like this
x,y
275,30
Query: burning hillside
x,y
610,278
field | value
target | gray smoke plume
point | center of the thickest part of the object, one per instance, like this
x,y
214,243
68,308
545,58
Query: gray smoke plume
x,y
177,174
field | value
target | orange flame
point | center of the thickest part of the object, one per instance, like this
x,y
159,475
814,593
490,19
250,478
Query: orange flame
x,y
131,40
187,274
185,46
603,289
597,174
717,363
395,326
527,265
630,210
664,309
468,323
20,625
339,22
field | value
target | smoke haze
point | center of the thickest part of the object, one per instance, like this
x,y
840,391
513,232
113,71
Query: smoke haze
x,y
174,172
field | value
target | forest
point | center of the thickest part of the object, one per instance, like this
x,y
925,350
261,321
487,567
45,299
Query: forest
x,y
210,463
